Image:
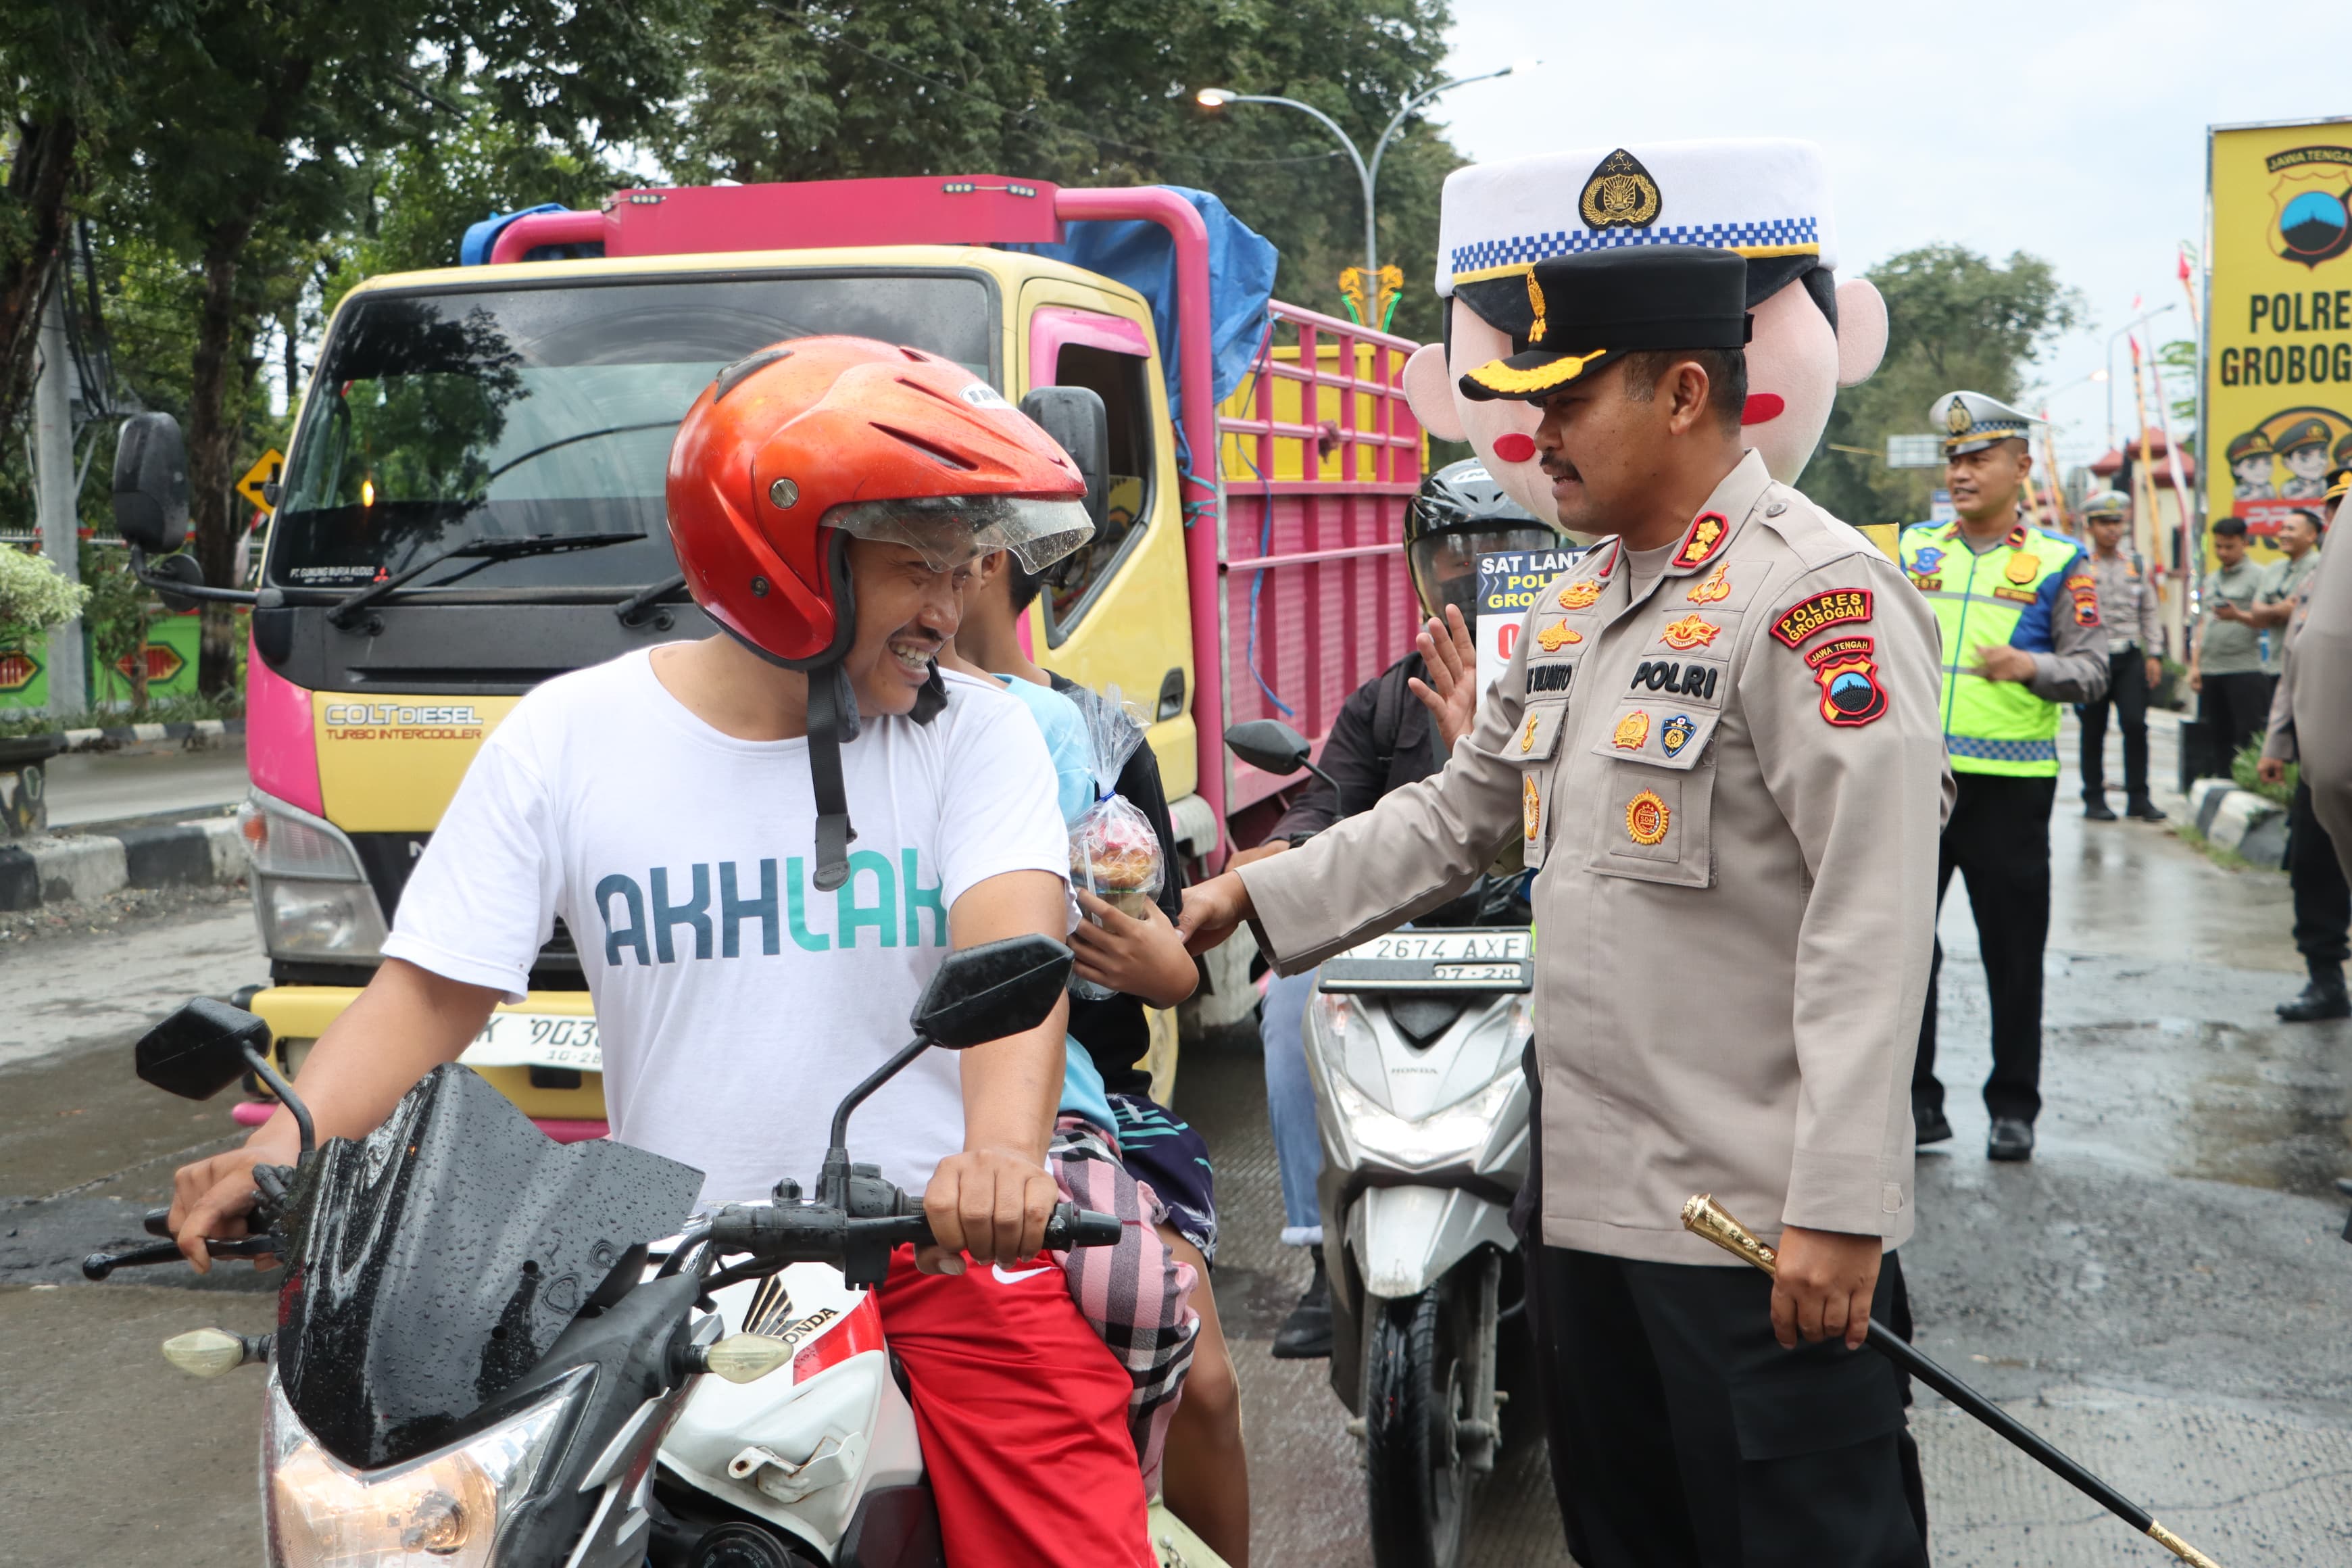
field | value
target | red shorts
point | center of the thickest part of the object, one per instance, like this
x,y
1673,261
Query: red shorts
x,y
1021,1412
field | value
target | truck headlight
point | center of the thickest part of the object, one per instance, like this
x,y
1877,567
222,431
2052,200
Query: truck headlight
x,y
310,894
443,1510
1451,1133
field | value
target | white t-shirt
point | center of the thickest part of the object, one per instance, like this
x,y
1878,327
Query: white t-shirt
x,y
735,1001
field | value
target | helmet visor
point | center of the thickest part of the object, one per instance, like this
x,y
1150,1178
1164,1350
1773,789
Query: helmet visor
x,y
948,530
1445,565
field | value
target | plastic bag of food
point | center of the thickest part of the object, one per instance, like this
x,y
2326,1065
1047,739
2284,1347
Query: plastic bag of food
x,y
1115,853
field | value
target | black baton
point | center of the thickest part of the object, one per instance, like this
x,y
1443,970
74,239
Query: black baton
x,y
1705,1217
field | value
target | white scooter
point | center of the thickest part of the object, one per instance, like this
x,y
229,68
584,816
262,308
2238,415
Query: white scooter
x,y
1416,1044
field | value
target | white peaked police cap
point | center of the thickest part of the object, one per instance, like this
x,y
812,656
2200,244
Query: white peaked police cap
x,y
1767,199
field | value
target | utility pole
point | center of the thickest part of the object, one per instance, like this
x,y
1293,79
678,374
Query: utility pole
x,y
53,471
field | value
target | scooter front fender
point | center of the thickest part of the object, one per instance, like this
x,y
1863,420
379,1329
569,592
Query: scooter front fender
x,y
1404,1240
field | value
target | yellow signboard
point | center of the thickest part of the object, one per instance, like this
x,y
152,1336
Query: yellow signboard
x,y
2277,409
262,473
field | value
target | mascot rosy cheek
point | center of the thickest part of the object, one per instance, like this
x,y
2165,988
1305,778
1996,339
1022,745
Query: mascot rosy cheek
x,y
1768,200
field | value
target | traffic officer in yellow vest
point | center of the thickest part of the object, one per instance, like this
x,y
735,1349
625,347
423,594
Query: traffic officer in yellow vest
x,y
1717,743
2019,613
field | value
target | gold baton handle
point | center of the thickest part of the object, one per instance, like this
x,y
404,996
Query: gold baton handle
x,y
1703,1217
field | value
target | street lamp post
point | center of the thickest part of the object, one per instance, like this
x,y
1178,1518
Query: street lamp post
x,y
2119,332
1368,174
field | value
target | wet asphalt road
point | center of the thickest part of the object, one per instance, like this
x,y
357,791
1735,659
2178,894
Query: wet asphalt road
x,y
2162,1291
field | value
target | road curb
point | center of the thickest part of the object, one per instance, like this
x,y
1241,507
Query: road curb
x,y
2250,826
80,867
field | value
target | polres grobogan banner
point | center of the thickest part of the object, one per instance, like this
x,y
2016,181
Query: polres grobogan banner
x,y
2277,409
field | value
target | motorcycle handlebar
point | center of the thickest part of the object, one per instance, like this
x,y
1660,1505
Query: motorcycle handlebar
x,y
807,1234
99,1265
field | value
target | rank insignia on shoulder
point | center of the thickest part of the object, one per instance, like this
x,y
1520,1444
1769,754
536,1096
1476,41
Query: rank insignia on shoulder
x,y
1558,635
1531,806
1707,536
1580,596
1851,694
1834,607
1690,632
1633,732
1647,817
1715,590
1676,733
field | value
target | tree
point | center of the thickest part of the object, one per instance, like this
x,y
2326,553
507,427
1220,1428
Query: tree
x,y
1955,320
255,127
1091,92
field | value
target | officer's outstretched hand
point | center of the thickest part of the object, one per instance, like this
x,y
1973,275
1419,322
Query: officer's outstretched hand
x,y
1822,1286
1212,911
1451,692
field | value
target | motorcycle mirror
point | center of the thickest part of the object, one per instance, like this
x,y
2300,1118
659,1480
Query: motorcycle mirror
x,y
999,988
1269,745
200,1050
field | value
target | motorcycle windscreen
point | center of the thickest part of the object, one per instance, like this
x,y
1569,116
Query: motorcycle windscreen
x,y
433,1262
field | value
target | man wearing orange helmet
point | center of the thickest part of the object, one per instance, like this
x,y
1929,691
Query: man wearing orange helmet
x,y
686,812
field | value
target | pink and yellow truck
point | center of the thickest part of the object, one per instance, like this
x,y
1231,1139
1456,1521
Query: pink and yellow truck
x,y
472,503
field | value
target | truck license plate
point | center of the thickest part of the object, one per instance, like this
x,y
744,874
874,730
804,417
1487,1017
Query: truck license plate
x,y
536,1040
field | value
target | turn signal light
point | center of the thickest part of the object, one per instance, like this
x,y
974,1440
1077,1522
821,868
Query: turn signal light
x,y
204,1352
745,1357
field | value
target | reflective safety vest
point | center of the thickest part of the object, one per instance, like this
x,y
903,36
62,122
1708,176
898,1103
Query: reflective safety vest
x,y
2008,594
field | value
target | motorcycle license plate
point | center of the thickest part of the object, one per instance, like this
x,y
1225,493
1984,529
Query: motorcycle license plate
x,y
1478,959
536,1040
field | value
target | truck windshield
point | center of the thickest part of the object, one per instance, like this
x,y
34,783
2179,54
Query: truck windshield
x,y
441,417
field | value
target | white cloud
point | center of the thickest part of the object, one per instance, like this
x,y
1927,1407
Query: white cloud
x,y
2074,131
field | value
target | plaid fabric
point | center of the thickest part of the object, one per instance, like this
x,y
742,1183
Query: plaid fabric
x,y
1137,1295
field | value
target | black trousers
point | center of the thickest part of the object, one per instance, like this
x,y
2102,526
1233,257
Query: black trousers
x,y
2235,708
2126,693
1684,1436
2323,904
1999,839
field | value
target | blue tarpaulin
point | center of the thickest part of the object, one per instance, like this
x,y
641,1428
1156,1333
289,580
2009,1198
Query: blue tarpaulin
x,y
1142,254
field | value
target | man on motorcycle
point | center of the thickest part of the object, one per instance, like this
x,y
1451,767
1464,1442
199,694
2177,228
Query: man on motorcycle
x,y
1382,739
825,499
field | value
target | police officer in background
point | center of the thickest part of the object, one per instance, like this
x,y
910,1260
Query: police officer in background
x,y
1394,730
2019,613
1716,744
2322,902
2134,664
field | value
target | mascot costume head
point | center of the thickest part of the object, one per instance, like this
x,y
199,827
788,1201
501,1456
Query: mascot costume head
x,y
1770,200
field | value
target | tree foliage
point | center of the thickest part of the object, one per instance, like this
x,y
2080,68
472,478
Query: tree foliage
x,y
1956,321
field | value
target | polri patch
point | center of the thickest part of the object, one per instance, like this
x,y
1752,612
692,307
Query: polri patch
x,y
1837,606
2085,594
1850,695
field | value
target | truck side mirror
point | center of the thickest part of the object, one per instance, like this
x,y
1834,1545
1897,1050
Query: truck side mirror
x,y
999,988
1270,746
150,483
1075,418
200,1050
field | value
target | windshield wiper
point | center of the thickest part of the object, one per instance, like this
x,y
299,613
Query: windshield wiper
x,y
633,607
483,551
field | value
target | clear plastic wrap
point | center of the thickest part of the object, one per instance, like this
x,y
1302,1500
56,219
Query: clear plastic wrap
x,y
1115,853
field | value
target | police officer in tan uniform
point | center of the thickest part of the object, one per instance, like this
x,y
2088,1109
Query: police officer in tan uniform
x,y
1716,741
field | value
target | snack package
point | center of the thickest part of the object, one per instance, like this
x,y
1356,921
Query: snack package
x,y
1114,853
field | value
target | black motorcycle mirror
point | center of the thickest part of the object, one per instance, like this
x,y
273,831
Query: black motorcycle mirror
x,y
205,1047
1271,746
979,994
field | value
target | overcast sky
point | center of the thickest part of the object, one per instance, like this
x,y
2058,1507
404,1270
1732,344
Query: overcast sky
x,y
2076,130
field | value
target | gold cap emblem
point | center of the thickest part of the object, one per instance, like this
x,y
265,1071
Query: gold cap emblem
x,y
1620,193
1957,419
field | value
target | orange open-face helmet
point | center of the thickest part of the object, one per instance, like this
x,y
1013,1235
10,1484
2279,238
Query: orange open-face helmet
x,y
794,450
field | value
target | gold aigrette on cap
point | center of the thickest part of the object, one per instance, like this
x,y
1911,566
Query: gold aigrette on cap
x,y
1620,193
1535,303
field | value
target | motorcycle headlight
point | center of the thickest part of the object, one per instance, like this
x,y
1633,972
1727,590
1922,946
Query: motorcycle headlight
x,y
1450,1134
309,892
442,1510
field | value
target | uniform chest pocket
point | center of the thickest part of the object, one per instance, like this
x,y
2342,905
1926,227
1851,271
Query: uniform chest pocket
x,y
1534,746
1653,813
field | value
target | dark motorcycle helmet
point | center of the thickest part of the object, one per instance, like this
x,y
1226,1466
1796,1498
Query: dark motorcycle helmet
x,y
1459,514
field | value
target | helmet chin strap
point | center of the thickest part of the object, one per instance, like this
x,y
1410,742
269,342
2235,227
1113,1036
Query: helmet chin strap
x,y
832,722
